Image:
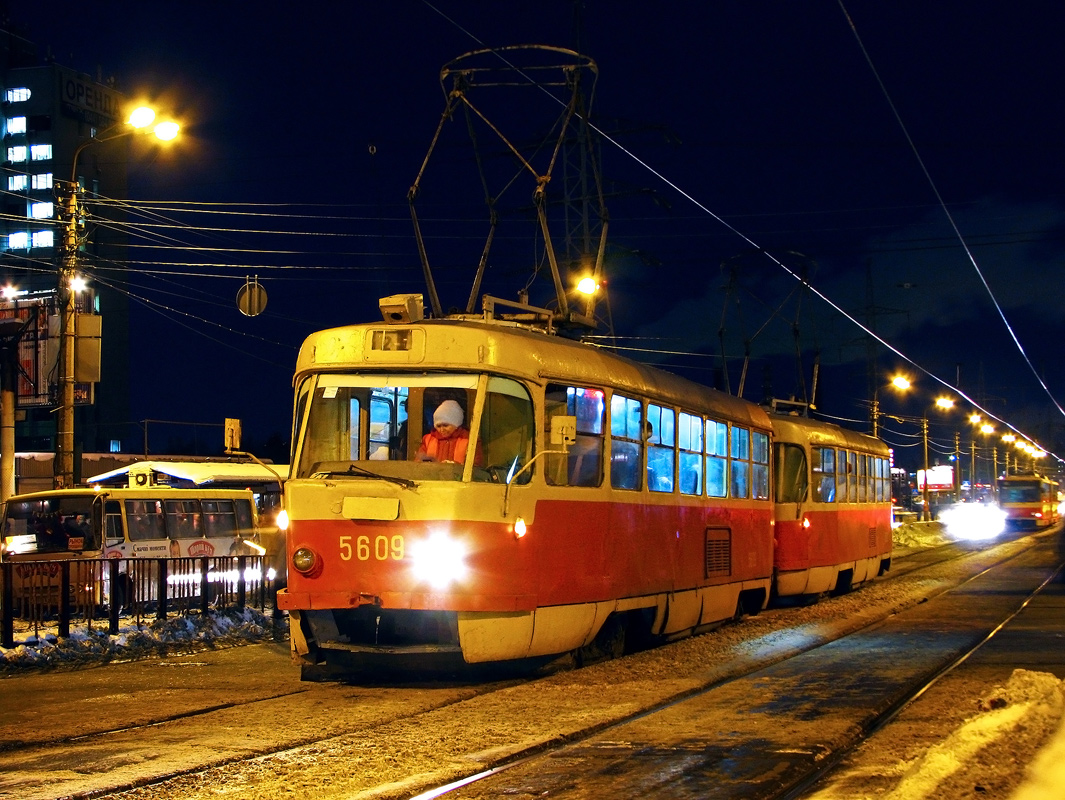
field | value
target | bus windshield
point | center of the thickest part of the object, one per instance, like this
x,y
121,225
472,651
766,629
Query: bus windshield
x,y
49,524
416,427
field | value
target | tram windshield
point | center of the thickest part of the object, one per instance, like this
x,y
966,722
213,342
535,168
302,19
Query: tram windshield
x,y
405,427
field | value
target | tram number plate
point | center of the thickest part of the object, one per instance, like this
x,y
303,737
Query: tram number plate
x,y
379,548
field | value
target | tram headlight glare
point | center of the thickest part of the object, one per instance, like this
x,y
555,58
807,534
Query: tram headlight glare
x,y
520,528
282,520
304,560
439,560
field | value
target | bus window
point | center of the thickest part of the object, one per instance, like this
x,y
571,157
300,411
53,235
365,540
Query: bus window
x,y
183,519
114,534
219,519
145,520
626,442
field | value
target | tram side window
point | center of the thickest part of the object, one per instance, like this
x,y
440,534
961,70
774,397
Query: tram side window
x,y
506,431
626,442
792,482
145,520
583,464
883,480
716,458
824,463
661,438
740,452
690,440
759,465
863,478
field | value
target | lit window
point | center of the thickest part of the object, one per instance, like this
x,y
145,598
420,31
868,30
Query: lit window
x,y
42,180
40,152
16,124
18,95
16,183
17,153
43,239
42,210
18,241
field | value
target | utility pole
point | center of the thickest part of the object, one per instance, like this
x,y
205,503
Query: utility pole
x,y
68,263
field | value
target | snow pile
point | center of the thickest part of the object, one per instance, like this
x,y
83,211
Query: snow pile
x,y
919,535
183,634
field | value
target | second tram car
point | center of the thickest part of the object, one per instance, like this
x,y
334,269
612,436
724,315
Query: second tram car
x,y
1030,501
832,507
594,499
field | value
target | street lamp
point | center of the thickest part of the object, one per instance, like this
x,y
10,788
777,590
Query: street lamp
x,y
140,121
1007,438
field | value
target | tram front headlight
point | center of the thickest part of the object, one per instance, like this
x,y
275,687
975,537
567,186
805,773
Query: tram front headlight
x,y
305,561
439,560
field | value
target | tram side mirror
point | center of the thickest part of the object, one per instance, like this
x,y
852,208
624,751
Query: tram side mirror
x,y
563,430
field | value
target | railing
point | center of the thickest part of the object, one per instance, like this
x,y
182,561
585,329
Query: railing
x,y
46,594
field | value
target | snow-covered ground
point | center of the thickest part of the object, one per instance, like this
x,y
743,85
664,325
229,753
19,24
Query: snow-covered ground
x,y
1029,706
91,646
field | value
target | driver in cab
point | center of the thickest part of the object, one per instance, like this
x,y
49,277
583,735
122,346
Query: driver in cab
x,y
448,440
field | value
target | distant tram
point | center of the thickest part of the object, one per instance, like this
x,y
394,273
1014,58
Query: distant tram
x,y
1030,501
601,503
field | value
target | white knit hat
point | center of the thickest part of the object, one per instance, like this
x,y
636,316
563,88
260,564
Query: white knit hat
x,y
450,412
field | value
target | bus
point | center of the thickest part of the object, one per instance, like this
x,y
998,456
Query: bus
x,y
1030,501
125,525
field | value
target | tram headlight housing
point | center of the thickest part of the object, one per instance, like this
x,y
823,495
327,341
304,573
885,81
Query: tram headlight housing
x,y
306,562
439,560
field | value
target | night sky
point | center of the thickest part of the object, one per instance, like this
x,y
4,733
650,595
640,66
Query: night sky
x,y
854,156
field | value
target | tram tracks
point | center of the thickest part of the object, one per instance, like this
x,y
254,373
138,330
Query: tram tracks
x,y
396,742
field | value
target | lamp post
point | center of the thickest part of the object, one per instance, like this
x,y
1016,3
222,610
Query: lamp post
x,y
68,285
943,403
1007,438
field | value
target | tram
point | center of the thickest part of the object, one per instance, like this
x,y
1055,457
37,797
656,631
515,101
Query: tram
x,y
1030,501
599,501
832,507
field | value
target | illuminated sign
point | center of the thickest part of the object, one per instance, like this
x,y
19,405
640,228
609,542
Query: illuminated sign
x,y
940,478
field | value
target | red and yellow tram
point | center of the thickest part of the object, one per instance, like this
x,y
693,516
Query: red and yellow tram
x,y
1030,501
832,507
599,499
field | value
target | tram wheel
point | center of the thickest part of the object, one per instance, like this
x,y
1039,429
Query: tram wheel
x,y
608,643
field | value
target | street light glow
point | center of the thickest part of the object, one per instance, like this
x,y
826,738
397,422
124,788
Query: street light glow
x,y
944,402
587,286
900,382
77,283
166,130
142,117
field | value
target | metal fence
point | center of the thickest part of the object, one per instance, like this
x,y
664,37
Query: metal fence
x,y
47,594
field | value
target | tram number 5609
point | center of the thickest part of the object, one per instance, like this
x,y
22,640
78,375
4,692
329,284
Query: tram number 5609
x,y
382,548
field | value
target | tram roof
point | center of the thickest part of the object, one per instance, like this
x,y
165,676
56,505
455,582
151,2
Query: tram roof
x,y
515,350
819,432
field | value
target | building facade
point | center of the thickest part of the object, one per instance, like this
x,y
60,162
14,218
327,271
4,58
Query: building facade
x,y
48,113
